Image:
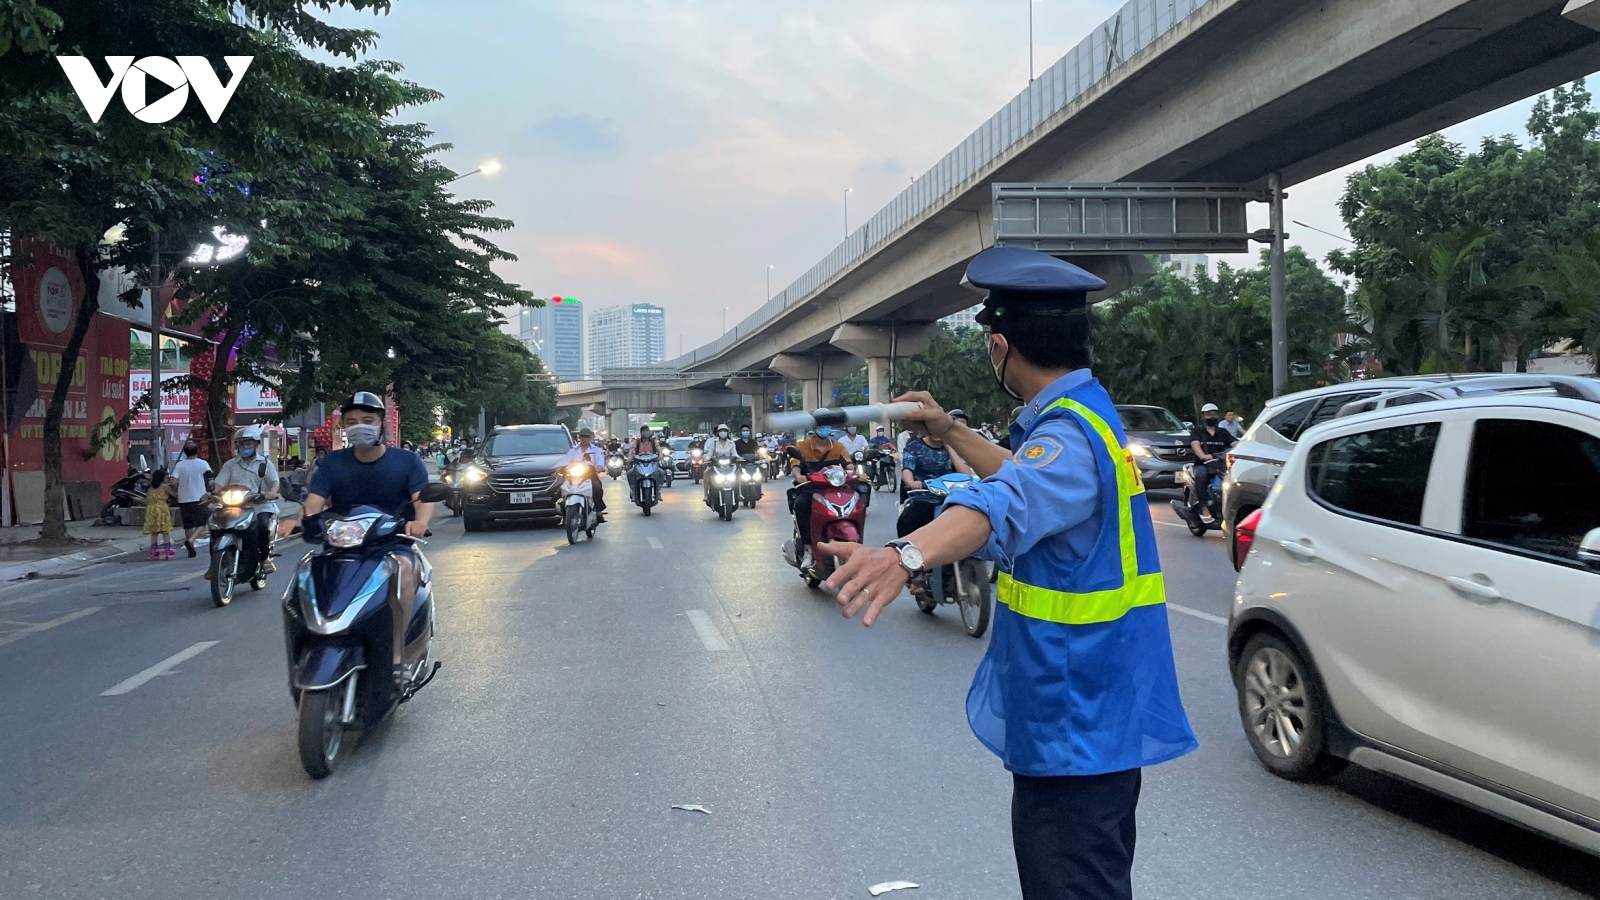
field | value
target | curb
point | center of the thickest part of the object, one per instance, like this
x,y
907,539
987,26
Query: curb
x,y
72,560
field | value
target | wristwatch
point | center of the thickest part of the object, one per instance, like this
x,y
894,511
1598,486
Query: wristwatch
x,y
910,557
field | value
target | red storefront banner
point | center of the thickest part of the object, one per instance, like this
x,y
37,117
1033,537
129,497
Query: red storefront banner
x,y
49,291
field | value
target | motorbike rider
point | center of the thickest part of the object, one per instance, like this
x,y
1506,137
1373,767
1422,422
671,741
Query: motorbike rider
x,y
925,458
253,472
747,445
1209,441
587,451
853,441
880,441
818,451
645,443
721,447
366,473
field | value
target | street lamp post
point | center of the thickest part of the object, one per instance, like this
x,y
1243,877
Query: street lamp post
x,y
847,192
769,284
488,168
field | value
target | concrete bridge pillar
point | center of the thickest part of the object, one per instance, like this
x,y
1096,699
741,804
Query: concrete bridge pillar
x,y
619,424
816,373
877,344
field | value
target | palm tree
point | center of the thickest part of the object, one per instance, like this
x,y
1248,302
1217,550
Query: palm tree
x,y
1570,281
1445,297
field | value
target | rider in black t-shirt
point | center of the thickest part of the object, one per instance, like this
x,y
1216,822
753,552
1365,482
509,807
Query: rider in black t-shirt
x,y
1209,441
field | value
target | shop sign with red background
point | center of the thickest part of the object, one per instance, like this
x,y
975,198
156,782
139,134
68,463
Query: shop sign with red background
x,y
49,291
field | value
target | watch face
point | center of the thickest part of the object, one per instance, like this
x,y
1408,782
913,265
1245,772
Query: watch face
x,y
911,557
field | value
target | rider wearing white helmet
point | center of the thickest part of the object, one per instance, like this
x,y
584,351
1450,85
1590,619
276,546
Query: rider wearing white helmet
x,y
251,470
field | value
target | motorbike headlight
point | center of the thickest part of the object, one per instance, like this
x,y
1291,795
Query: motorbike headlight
x,y
1138,449
695,453
473,474
234,496
836,477
344,533
723,462
762,452
578,470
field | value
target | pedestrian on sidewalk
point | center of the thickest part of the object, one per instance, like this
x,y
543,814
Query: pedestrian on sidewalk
x,y
190,476
157,517
1078,691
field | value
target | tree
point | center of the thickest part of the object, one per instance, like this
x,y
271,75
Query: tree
x,y
955,370
69,180
1570,281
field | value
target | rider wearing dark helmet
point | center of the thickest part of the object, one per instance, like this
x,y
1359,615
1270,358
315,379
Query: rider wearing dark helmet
x,y
366,473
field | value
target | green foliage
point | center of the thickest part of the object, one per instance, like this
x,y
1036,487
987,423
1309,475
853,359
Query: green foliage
x,y
955,370
1447,243
1182,343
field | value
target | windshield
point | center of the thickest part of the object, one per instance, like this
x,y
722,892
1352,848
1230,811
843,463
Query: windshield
x,y
679,444
1147,418
534,443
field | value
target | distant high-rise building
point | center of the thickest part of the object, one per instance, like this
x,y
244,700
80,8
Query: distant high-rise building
x,y
554,333
631,335
1187,264
964,318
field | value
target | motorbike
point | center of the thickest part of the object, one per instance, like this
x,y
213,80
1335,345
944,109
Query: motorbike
x,y
614,466
235,555
769,467
722,493
647,492
969,583
1210,518
697,464
882,469
128,492
358,625
752,473
577,502
838,512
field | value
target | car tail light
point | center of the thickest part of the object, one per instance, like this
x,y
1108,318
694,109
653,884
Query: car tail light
x,y
1230,461
1244,536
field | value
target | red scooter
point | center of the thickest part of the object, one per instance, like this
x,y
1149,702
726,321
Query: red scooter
x,y
838,511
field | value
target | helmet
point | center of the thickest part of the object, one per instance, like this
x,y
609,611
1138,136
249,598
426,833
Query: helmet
x,y
957,414
720,429
585,432
1209,407
364,400
249,433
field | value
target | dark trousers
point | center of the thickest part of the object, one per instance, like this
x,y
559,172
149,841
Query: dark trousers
x,y
1074,835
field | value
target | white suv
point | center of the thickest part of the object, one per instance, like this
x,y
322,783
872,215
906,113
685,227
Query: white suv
x,y
1422,597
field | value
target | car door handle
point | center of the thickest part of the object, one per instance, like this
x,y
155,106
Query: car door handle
x,y
1473,588
1296,548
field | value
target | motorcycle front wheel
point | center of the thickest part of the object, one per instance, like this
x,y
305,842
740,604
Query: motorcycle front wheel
x,y
572,524
224,574
321,730
976,598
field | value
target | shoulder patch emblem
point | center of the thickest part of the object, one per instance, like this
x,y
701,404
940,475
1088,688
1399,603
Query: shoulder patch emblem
x,y
1038,453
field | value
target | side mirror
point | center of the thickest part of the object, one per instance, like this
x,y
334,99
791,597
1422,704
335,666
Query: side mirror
x,y
1189,425
1589,550
435,492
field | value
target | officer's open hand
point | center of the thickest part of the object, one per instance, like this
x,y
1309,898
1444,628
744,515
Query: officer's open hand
x,y
930,419
870,578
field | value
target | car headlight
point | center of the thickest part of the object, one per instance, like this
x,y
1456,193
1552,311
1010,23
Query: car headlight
x,y
345,533
1138,449
473,474
836,477
234,496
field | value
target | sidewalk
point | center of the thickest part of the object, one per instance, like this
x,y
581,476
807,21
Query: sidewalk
x,y
22,556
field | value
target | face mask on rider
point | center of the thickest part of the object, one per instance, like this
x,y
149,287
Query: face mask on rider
x,y
722,435
744,432
825,431
246,452
999,368
851,430
361,435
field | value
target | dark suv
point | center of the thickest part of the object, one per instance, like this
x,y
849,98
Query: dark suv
x,y
1158,441
512,475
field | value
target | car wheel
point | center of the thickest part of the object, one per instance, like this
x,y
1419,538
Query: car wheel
x,y
473,523
1284,710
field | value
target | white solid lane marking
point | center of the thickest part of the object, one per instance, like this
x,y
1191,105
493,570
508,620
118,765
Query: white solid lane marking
x,y
1197,614
46,626
655,543
709,635
189,577
164,667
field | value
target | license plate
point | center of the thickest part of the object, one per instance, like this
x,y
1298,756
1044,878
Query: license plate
x,y
522,497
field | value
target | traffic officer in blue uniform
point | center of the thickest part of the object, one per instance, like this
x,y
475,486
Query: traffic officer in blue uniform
x,y
1078,691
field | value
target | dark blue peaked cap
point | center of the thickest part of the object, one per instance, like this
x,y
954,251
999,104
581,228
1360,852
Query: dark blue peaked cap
x,y
1029,283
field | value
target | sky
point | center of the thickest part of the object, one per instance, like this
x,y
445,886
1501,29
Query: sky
x,y
669,151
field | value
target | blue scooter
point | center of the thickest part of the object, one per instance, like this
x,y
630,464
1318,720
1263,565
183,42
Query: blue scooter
x,y
969,583
358,622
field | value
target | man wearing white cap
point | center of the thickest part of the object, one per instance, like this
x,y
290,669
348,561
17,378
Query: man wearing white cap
x,y
1209,441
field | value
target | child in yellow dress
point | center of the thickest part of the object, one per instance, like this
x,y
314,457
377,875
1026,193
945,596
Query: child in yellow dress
x,y
157,515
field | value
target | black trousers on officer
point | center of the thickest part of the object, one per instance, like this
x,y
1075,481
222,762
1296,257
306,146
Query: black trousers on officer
x,y
1074,835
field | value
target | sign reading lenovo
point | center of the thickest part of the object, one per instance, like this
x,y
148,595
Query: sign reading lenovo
x,y
132,77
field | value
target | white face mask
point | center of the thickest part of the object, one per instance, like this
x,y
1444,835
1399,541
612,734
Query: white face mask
x,y
362,435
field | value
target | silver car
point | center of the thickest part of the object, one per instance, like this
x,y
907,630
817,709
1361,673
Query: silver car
x,y
1421,597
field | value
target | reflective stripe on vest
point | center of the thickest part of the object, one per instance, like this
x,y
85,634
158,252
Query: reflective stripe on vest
x,y
1097,606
